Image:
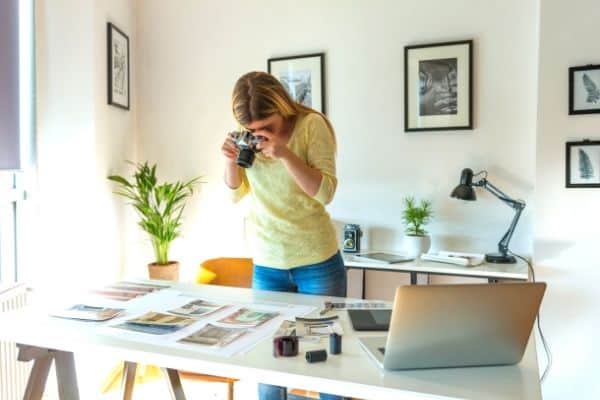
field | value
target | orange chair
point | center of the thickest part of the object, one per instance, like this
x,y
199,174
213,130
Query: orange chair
x,y
226,271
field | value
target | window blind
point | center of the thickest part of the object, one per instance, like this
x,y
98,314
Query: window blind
x,y
9,85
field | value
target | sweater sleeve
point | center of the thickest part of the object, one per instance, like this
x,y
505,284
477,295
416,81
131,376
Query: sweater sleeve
x,y
238,193
321,156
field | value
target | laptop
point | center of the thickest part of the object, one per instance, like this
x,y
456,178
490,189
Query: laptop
x,y
438,326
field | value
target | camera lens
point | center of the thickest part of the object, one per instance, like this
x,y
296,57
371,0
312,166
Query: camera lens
x,y
245,158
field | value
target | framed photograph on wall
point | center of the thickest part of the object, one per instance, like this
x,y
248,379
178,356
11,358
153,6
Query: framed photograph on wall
x,y
438,86
583,164
303,77
584,89
118,67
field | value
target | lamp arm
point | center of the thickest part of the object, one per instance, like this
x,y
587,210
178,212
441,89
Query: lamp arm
x,y
517,205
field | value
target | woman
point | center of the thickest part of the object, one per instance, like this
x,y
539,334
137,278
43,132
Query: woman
x,y
292,237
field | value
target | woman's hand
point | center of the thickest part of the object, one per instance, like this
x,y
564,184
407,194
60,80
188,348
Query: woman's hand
x,y
273,146
230,150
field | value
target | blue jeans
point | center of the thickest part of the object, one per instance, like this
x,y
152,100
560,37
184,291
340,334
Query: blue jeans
x,y
327,278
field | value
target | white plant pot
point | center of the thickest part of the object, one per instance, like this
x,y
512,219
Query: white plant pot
x,y
414,246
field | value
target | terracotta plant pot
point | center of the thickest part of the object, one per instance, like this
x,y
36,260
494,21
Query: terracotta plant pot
x,y
166,272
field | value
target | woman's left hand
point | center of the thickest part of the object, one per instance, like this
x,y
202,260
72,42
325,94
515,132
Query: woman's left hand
x,y
273,146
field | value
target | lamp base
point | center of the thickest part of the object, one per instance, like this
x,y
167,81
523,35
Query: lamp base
x,y
499,258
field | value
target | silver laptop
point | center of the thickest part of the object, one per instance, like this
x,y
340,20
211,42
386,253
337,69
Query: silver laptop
x,y
435,326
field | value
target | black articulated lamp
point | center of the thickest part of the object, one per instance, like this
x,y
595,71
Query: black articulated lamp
x,y
465,191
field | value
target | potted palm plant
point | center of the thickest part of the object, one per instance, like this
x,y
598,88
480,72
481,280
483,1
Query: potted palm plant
x,y
159,207
415,217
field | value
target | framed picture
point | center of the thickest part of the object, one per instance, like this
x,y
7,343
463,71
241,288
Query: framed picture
x,y
583,164
438,86
584,89
303,77
118,67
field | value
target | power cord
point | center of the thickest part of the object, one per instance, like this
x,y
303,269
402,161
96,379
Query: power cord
x,y
539,326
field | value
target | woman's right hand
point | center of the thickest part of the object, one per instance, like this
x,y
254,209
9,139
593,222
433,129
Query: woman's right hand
x,y
230,150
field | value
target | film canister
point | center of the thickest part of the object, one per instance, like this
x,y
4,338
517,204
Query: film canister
x,y
316,356
335,343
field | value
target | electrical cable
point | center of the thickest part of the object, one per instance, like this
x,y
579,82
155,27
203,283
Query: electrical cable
x,y
539,326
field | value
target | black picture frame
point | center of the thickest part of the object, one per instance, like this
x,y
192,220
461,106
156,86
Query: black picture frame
x,y
117,43
302,67
451,110
584,89
586,161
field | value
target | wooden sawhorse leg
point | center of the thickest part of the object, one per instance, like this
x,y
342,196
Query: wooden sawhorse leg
x,y
42,358
128,382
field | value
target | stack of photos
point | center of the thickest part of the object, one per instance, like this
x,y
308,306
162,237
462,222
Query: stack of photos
x,y
156,323
88,313
212,335
197,308
124,291
247,318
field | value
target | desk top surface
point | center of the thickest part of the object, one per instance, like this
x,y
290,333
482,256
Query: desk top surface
x,y
351,374
516,271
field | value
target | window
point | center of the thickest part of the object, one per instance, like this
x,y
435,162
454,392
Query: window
x,y
16,129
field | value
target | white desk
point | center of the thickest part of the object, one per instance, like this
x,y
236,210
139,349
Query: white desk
x,y
351,374
489,271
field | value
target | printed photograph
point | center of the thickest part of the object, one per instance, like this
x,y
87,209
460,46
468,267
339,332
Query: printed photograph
x,y
248,318
437,87
197,308
212,335
584,90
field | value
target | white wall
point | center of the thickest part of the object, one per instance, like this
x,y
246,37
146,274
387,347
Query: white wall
x,y
567,221
80,140
191,53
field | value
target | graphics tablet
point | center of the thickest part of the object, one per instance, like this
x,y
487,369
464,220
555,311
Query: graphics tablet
x,y
370,320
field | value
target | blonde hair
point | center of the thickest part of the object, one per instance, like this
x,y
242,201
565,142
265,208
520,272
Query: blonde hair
x,y
258,95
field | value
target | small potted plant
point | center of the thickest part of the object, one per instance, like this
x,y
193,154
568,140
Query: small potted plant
x,y
415,217
159,207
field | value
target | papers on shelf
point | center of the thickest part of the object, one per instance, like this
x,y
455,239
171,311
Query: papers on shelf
x,y
88,313
453,257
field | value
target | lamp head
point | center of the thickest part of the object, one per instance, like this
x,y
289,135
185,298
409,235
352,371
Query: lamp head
x,y
464,190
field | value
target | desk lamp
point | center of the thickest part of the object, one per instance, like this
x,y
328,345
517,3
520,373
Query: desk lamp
x,y
465,191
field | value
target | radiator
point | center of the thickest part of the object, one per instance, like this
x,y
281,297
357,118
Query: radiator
x,y
13,374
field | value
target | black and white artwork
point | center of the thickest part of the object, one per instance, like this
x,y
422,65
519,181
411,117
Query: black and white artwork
x,y
584,89
583,164
438,86
118,67
298,85
303,77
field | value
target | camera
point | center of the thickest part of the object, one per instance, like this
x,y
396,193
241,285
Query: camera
x,y
352,234
246,142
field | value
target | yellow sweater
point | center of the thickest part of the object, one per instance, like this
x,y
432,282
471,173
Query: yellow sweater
x,y
288,228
